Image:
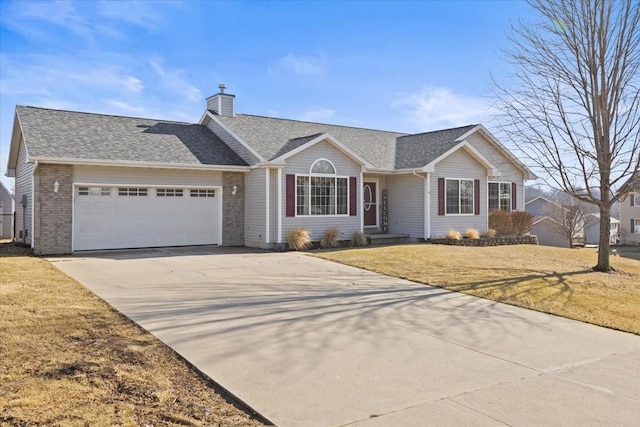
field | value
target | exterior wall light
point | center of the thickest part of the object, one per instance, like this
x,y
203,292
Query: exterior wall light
x,y
56,186
234,189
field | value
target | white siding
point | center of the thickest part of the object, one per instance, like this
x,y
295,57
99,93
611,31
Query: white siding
x,y
234,144
24,185
6,213
316,225
627,213
458,165
406,205
145,176
510,173
254,208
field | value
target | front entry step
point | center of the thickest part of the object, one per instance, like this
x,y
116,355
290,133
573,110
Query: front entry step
x,y
387,239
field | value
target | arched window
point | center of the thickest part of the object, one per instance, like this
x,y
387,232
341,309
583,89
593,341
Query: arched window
x,y
322,192
323,166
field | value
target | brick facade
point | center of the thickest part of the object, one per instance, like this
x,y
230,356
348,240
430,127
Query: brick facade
x,y
53,211
232,209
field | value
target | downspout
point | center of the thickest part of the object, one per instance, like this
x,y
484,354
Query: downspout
x,y
427,204
268,207
33,209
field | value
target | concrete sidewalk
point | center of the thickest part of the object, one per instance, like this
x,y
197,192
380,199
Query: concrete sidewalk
x,y
309,342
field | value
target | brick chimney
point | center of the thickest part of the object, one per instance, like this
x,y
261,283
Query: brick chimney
x,y
222,103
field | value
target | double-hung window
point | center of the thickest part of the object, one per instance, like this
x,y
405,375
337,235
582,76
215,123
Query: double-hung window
x,y
459,196
635,222
500,196
322,192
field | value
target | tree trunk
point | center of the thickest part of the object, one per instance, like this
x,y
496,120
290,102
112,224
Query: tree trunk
x,y
604,245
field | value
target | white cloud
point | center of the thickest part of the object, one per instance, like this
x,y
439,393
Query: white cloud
x,y
173,79
316,114
21,16
307,65
141,14
435,108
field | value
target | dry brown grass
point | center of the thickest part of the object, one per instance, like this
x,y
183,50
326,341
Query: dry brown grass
x,y
551,280
330,238
298,239
68,358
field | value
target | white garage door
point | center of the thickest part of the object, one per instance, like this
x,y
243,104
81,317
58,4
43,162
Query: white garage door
x,y
113,217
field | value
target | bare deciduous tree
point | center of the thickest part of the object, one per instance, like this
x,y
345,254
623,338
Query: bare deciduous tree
x,y
574,107
569,221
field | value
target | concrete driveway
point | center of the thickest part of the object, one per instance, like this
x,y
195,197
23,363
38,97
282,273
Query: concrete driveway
x,y
309,342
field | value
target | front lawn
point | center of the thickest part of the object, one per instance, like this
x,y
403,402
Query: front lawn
x,y
68,358
552,280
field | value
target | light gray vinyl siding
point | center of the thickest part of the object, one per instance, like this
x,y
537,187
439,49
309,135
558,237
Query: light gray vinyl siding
x,y
226,102
233,143
406,205
254,208
509,172
345,167
145,176
538,207
24,185
548,236
459,165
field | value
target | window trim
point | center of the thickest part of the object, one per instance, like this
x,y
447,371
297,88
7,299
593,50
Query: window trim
x,y
334,177
509,185
636,228
636,199
133,191
103,193
473,197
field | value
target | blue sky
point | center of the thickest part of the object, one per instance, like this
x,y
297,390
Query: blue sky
x,y
402,66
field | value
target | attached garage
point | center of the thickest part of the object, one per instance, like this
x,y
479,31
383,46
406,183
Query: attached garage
x,y
125,216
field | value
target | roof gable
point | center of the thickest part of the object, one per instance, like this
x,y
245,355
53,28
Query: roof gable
x,y
309,141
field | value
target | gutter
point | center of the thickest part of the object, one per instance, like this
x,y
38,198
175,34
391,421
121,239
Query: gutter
x,y
150,165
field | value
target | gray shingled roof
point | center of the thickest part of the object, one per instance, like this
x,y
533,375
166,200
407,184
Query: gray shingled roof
x,y
68,134
273,137
415,151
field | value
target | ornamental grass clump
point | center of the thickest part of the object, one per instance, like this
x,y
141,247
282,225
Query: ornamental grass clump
x,y
359,239
330,238
454,235
490,233
472,233
298,239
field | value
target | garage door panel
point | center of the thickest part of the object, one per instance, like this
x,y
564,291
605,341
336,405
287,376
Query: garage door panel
x,y
121,221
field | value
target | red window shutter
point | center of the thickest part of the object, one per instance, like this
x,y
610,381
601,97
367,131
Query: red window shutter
x,y
440,196
291,195
476,197
353,196
514,201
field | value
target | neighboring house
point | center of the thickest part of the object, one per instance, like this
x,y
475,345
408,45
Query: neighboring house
x,y
6,212
630,217
547,223
95,181
592,230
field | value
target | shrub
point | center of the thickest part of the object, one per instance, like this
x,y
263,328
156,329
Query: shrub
x,y
359,239
472,233
330,238
490,233
501,222
522,222
453,235
298,239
